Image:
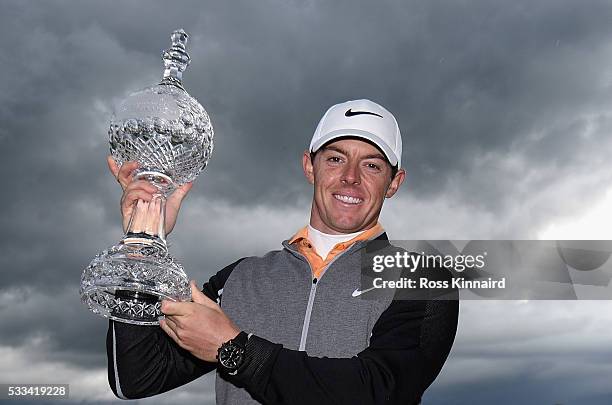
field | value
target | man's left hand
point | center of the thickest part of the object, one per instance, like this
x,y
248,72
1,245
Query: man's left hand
x,y
199,326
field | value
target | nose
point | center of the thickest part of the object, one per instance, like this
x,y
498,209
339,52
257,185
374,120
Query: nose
x,y
350,174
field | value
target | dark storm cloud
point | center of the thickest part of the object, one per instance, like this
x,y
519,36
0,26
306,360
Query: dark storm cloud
x,y
496,102
463,80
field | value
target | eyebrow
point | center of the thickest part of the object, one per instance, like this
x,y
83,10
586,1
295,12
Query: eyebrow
x,y
335,148
375,156
342,151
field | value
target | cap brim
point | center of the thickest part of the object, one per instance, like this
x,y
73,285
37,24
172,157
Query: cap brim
x,y
359,134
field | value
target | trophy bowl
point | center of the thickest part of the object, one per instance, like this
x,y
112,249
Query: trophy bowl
x,y
170,135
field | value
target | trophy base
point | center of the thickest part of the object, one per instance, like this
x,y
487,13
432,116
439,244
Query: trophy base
x,y
127,282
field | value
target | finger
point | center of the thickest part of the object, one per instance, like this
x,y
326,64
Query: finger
x,y
184,189
173,308
112,166
173,323
152,216
125,173
142,185
129,198
181,192
198,296
152,226
138,219
127,168
165,325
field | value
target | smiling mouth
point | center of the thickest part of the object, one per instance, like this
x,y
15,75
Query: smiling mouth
x,y
348,199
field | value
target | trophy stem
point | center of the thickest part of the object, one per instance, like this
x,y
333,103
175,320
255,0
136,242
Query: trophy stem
x,y
147,223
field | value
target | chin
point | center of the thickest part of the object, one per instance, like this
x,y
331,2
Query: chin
x,y
348,226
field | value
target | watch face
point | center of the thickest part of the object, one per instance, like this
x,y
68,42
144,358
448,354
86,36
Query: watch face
x,y
230,356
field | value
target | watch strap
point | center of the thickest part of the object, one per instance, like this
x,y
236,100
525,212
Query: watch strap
x,y
241,339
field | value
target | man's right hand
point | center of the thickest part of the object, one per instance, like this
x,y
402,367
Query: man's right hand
x,y
134,190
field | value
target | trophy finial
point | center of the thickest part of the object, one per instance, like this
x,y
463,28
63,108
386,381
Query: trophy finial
x,y
176,59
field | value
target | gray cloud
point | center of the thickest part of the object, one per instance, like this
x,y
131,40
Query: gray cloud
x,y
503,108
516,352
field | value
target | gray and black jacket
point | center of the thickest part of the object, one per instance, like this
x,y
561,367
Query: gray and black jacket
x,y
313,341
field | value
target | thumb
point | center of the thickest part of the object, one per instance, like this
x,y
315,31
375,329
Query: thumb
x,y
184,189
187,186
198,296
112,166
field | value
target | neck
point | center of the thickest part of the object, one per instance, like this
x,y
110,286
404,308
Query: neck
x,y
320,226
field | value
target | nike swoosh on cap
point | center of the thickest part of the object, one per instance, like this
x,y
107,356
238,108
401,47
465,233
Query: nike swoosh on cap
x,y
351,113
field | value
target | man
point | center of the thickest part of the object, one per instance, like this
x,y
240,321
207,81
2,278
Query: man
x,y
292,327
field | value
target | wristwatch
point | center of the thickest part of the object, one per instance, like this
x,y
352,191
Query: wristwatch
x,y
231,353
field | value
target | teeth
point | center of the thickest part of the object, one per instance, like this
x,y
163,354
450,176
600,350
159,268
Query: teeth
x,y
347,199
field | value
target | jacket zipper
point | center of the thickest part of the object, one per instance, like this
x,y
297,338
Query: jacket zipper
x,y
311,297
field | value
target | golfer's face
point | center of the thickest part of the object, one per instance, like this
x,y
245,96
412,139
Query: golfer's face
x,y
351,180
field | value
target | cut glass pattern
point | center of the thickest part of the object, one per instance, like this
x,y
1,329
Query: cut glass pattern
x,y
170,135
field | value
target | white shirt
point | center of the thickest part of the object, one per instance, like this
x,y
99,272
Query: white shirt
x,y
323,243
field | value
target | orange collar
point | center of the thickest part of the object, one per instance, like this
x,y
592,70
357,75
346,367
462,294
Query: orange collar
x,y
317,263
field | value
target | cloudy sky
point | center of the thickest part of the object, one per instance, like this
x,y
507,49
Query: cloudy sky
x,y
504,109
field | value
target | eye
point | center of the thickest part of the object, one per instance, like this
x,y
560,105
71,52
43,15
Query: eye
x,y
334,159
373,166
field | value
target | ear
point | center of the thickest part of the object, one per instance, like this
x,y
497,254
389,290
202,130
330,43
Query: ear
x,y
396,182
308,167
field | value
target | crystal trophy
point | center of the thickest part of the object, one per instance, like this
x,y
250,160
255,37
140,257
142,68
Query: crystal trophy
x,y
170,135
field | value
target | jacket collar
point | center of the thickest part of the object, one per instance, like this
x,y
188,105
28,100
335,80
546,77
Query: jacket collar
x,y
377,239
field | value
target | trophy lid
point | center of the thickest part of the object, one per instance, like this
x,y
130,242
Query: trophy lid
x,y
162,127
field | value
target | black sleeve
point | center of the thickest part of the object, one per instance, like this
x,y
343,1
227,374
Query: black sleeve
x,y
144,361
409,345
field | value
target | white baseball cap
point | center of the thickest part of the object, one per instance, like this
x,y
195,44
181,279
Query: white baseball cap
x,y
363,119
